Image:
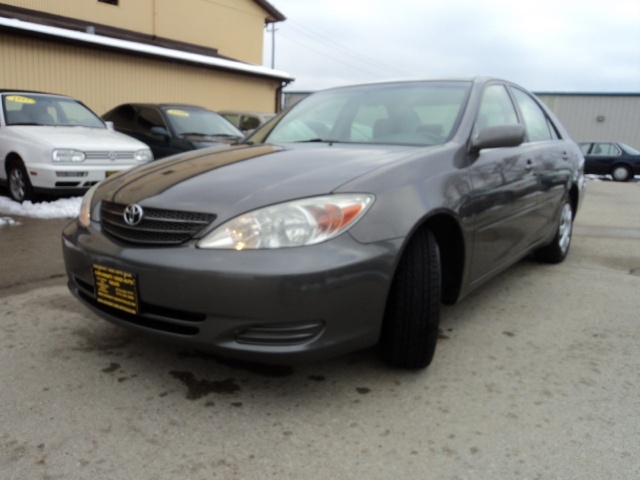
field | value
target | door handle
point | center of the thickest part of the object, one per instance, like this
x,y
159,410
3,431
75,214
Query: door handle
x,y
529,166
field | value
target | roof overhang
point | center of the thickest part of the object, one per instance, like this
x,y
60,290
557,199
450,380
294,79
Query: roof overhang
x,y
274,14
136,48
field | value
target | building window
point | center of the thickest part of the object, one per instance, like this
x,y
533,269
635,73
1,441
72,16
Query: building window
x,y
110,2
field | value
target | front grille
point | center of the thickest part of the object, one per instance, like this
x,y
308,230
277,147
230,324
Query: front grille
x,y
158,227
109,155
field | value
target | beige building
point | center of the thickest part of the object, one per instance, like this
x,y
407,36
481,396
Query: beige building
x,y
108,52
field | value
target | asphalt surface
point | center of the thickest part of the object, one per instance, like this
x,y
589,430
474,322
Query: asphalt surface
x,y
536,376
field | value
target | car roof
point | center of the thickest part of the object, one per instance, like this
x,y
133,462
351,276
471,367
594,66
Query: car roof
x,y
476,80
18,91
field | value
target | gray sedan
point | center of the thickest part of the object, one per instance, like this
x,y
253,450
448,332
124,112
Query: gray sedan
x,y
343,224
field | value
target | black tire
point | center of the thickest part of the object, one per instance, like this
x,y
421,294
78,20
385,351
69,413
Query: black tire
x,y
20,188
558,249
621,173
412,317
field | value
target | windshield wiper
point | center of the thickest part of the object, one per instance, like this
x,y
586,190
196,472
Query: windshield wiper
x,y
200,134
224,135
318,140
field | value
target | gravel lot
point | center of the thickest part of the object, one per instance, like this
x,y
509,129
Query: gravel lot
x,y
536,376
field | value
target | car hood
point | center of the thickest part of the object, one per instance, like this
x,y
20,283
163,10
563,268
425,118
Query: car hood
x,y
81,138
241,178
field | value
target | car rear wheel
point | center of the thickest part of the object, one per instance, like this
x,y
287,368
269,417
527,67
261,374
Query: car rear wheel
x,y
412,317
20,187
621,173
557,250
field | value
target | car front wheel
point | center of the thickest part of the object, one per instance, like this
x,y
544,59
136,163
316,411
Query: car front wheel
x,y
412,317
20,187
621,173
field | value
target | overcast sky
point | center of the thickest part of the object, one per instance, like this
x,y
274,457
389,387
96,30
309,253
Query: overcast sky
x,y
546,45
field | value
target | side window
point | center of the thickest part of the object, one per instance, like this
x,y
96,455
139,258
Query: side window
x,y
535,120
585,148
232,117
149,118
608,149
249,123
123,117
496,108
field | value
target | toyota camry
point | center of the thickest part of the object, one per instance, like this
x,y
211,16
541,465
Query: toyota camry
x,y
342,224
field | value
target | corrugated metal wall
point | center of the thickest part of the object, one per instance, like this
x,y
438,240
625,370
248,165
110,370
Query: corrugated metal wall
x,y
598,117
104,79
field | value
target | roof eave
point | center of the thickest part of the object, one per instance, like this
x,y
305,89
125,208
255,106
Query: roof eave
x,y
137,48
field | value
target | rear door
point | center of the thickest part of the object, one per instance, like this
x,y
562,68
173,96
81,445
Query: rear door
x,y
552,157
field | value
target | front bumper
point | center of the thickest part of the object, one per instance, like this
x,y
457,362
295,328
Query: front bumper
x,y
274,306
70,178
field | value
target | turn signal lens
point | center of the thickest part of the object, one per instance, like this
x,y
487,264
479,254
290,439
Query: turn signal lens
x,y
84,218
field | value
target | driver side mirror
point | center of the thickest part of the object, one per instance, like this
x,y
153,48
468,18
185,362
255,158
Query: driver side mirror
x,y
498,136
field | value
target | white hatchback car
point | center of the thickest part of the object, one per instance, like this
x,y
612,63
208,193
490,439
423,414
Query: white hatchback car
x,y
53,144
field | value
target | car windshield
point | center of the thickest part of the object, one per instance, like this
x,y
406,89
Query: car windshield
x,y
408,113
34,109
196,121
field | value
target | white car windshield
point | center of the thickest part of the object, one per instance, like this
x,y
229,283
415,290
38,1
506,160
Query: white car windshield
x,y
35,109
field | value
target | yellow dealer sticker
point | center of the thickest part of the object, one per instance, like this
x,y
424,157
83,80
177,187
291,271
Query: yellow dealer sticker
x,y
178,113
116,288
20,99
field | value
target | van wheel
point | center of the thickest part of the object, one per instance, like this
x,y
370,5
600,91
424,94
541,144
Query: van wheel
x,y
20,187
412,317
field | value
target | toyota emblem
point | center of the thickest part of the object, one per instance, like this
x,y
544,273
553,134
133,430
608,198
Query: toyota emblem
x,y
133,214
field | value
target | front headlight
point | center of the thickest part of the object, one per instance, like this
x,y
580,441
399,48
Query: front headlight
x,y
143,155
61,155
84,218
291,224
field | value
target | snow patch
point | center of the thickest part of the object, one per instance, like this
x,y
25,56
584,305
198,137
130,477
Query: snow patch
x,y
60,208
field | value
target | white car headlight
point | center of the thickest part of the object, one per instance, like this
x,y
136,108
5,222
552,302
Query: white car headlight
x,y
143,155
65,155
85,207
291,224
